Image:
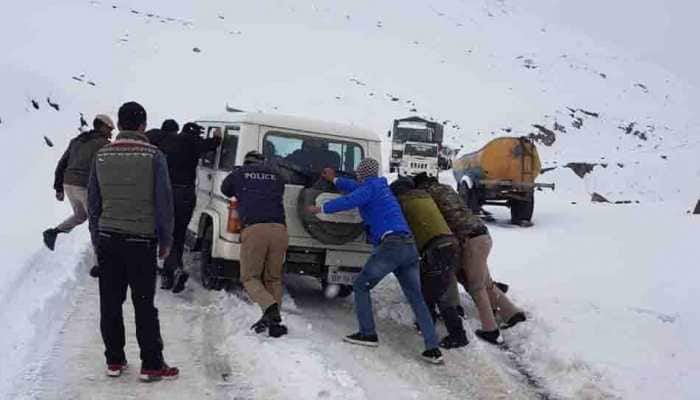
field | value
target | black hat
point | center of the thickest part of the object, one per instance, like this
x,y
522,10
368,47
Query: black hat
x,y
192,127
402,185
131,116
253,157
170,125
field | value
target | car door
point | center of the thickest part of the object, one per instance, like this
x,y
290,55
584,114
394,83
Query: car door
x,y
228,157
206,171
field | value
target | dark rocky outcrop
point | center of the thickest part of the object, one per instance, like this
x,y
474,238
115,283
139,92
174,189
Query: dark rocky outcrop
x,y
598,198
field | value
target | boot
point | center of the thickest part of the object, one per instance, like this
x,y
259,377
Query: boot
x,y
275,327
456,336
50,237
166,280
270,316
180,277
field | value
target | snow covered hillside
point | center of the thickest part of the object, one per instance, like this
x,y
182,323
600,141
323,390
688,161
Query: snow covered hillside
x,y
610,287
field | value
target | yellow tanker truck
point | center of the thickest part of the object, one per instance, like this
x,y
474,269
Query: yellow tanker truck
x,y
501,173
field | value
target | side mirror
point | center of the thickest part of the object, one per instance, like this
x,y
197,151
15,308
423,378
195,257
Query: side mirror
x,y
388,133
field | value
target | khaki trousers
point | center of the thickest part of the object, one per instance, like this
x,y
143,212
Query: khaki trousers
x,y
77,196
263,249
475,254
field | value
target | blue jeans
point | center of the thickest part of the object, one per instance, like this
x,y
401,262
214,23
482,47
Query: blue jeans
x,y
395,254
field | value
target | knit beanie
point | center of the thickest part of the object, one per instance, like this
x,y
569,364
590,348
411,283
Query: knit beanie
x,y
368,167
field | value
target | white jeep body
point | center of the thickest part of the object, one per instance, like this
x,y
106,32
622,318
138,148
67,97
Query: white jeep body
x,y
244,132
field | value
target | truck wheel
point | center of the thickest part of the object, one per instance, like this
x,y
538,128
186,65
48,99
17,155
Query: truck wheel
x,y
209,279
470,197
522,210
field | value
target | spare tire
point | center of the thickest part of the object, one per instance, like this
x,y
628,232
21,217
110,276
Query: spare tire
x,y
335,233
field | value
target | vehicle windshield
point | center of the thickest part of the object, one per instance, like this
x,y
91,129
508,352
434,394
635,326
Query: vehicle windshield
x,y
420,150
404,134
309,155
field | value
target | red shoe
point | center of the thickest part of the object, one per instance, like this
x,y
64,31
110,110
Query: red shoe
x,y
165,372
115,370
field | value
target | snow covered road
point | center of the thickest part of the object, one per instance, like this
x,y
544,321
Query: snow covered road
x,y
206,335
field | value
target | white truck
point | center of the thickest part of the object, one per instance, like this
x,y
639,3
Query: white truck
x,y
332,248
415,146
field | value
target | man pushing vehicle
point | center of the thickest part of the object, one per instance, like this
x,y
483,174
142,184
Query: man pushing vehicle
x,y
394,251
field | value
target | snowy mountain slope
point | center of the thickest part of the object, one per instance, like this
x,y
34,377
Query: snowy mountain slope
x,y
487,66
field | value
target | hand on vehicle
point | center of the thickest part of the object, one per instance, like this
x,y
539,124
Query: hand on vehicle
x,y
328,174
314,209
217,133
59,196
163,252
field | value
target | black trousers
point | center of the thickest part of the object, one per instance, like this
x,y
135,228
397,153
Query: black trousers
x,y
184,200
129,262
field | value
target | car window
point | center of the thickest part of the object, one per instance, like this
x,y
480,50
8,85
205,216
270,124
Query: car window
x,y
311,153
229,146
209,158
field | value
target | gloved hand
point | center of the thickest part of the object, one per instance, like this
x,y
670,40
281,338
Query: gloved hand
x,y
59,196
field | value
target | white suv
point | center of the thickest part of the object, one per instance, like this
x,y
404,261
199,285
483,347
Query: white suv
x,y
332,248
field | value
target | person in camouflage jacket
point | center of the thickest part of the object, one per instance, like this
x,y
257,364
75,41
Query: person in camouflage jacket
x,y
476,243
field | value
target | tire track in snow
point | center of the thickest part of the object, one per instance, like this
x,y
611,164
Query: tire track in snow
x,y
467,374
75,368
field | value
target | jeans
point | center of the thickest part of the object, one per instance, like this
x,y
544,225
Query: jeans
x,y
129,262
395,254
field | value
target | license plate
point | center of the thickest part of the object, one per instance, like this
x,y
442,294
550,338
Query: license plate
x,y
341,277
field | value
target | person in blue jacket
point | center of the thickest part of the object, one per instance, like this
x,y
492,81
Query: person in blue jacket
x,y
394,251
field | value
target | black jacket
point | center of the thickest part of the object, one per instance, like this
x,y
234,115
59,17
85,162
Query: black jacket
x,y
75,164
259,189
183,152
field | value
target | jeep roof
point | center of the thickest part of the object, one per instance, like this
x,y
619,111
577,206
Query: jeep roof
x,y
296,123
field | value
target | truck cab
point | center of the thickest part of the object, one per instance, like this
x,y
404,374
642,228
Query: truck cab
x,y
332,248
415,146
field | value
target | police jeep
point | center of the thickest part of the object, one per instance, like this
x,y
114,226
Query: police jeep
x,y
332,248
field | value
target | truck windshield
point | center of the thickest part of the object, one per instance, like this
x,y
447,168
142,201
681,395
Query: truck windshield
x,y
420,150
424,135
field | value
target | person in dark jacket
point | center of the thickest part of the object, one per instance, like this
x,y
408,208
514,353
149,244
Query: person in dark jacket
x,y
439,251
182,152
259,190
130,207
394,251
476,245
72,173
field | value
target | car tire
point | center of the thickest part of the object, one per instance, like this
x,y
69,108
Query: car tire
x,y
325,232
209,279
345,291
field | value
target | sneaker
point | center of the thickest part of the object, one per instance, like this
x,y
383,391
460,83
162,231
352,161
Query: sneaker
x,y
180,279
166,281
453,342
362,340
277,330
494,337
514,320
50,237
115,370
433,356
165,372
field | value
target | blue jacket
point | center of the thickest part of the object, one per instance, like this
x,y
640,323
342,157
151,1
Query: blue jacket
x,y
259,189
378,207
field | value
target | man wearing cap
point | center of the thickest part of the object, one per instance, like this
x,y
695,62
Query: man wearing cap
x,y
394,251
182,152
130,207
72,173
259,189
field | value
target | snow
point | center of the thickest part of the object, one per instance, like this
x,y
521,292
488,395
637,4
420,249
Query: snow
x,y
610,289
